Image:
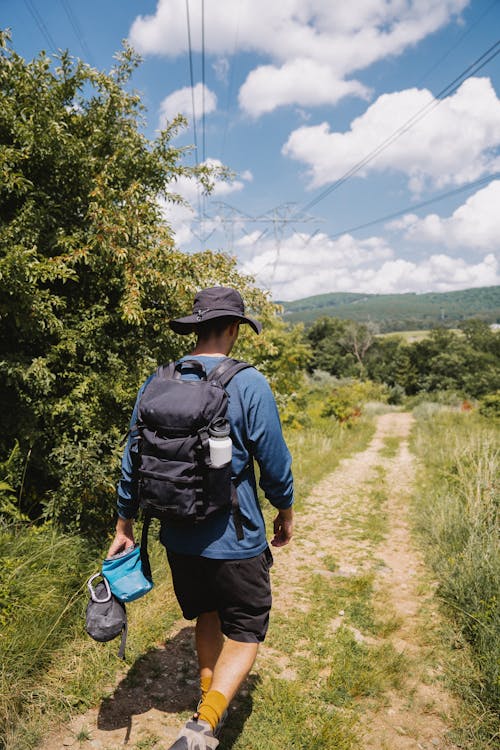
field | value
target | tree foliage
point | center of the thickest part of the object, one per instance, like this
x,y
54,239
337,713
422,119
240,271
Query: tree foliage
x,y
89,276
339,346
467,361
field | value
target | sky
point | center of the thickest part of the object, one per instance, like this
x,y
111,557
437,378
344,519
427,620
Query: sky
x,y
363,137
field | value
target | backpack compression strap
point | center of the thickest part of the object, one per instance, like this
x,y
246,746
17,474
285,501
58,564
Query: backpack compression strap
x,y
223,373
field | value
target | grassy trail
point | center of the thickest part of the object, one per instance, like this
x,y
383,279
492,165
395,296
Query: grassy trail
x,y
352,659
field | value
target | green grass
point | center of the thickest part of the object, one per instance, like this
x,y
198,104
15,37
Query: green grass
x,y
391,447
320,707
457,515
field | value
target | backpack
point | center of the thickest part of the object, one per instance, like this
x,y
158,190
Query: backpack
x,y
175,478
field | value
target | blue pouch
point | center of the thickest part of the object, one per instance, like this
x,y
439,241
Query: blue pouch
x,y
124,574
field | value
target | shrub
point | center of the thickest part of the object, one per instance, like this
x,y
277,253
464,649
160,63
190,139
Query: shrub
x,y
489,406
347,400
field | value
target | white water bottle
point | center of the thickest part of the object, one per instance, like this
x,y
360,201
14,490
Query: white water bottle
x,y
221,446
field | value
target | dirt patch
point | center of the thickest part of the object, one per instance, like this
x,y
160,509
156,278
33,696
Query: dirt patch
x,y
154,698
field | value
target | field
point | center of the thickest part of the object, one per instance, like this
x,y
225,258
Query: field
x,y
386,598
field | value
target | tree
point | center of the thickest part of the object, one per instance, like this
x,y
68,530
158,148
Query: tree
x,y
357,339
326,337
448,361
89,276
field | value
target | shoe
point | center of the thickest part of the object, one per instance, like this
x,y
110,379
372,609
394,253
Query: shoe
x,y
222,719
196,734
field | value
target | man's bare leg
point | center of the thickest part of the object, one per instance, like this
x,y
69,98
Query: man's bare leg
x,y
234,663
224,661
209,643
224,664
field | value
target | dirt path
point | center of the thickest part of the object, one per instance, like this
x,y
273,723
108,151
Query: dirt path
x,y
146,709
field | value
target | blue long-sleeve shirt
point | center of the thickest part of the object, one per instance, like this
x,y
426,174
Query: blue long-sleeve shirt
x,y
255,432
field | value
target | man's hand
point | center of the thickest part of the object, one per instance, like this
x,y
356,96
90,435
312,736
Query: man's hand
x,y
124,537
283,528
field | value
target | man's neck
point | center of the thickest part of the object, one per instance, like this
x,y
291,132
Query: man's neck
x,y
197,353
210,350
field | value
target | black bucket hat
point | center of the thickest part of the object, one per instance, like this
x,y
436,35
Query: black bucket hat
x,y
215,302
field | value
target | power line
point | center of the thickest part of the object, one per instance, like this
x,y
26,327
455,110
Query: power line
x,y
203,80
415,206
459,41
472,69
77,30
41,24
230,84
191,77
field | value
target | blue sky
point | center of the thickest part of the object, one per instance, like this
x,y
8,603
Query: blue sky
x,y
332,116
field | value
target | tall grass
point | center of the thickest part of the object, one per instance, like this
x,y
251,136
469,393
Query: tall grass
x,y
458,514
49,667
40,599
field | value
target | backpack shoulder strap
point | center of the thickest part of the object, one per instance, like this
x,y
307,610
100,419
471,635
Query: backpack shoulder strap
x,y
226,370
166,371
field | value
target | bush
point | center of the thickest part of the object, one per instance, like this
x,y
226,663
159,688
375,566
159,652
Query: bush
x,y
346,401
489,406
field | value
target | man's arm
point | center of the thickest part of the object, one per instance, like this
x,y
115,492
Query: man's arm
x,y
127,502
268,447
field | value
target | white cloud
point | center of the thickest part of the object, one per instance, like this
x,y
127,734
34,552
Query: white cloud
x,y
397,225
181,102
221,67
452,144
309,265
335,36
268,87
475,224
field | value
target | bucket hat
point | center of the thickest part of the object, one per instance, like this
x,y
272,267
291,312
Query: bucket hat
x,y
215,302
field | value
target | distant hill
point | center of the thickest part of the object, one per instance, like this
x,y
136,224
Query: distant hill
x,y
397,312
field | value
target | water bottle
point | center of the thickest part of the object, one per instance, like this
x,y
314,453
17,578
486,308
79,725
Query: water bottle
x,y
221,446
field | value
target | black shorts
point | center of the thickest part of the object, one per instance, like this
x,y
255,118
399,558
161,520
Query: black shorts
x,y
238,590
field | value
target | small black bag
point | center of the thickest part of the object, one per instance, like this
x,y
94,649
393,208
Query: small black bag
x,y
106,616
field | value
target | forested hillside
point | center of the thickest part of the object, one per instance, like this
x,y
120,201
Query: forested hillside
x,y
397,312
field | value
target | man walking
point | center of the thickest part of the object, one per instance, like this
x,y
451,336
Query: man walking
x,y
221,580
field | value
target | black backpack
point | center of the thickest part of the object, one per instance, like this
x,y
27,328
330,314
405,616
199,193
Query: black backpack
x,y
175,479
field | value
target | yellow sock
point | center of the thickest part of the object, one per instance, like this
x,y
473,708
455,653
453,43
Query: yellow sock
x,y
205,683
213,706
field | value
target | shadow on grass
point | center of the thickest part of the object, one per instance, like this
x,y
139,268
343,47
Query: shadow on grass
x,y
166,679
239,711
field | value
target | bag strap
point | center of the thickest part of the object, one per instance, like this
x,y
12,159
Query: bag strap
x,y
223,373
123,640
236,511
226,370
146,565
166,371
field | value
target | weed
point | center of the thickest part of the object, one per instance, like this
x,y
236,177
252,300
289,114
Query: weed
x,y
391,447
147,743
83,735
360,671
